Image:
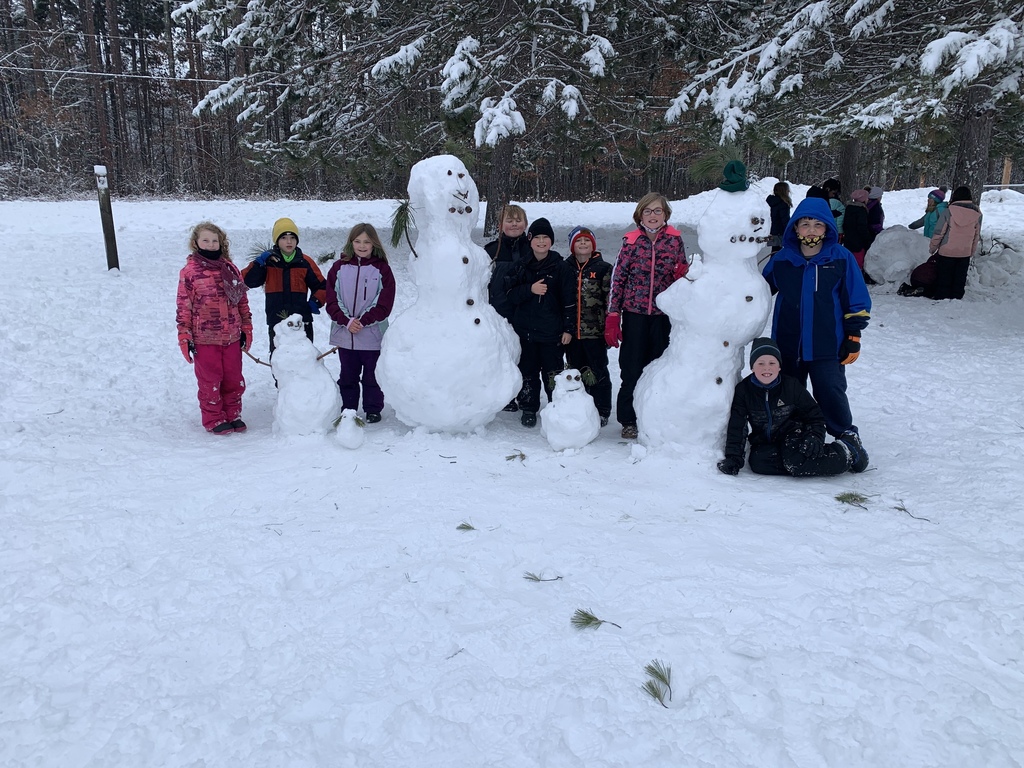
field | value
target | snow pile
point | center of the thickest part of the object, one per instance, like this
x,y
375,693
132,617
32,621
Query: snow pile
x,y
894,254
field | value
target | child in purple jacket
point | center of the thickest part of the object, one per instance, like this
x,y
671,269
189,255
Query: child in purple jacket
x,y
360,296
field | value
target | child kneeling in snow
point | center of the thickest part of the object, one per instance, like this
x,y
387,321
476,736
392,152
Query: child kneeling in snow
x,y
787,428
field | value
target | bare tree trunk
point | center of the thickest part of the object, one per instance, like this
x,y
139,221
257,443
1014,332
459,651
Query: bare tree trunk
x,y
971,165
99,100
499,180
849,161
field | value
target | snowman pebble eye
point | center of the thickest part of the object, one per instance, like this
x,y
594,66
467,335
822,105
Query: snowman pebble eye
x,y
449,173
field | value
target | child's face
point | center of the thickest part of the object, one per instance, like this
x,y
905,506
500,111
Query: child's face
x,y
653,216
583,249
207,240
541,244
513,227
767,369
287,242
363,246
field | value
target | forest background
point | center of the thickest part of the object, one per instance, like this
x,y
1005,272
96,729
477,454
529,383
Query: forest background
x,y
543,99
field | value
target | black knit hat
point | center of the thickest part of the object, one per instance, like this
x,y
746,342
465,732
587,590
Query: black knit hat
x,y
764,346
541,227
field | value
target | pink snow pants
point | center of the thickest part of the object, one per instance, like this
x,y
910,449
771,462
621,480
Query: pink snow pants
x,y
219,373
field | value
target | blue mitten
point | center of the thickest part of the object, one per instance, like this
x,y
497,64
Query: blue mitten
x,y
262,258
314,307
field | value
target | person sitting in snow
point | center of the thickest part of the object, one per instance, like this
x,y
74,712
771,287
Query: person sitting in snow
x,y
821,308
786,426
922,278
540,290
592,279
292,282
360,297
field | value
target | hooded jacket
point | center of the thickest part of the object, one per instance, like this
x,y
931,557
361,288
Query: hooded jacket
x,y
929,220
591,283
820,300
288,285
204,314
644,269
541,318
957,231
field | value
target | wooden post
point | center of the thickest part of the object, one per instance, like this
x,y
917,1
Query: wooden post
x,y
106,216
1007,168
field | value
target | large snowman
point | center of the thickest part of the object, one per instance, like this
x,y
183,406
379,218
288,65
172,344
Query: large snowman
x,y
448,362
722,304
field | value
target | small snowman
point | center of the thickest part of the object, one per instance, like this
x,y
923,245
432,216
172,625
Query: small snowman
x,y
570,420
721,305
350,433
308,399
449,361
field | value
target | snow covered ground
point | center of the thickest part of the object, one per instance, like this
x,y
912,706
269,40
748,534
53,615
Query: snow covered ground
x,y
170,598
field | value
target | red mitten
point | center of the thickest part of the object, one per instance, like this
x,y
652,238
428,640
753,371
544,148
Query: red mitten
x,y
680,271
612,330
187,348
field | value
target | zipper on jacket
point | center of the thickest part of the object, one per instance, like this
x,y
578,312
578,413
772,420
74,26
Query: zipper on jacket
x,y
355,298
768,410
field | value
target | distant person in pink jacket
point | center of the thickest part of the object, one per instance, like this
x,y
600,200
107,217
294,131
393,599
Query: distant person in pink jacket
x,y
953,243
214,327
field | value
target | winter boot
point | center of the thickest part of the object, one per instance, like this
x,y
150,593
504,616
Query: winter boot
x,y
858,456
630,432
512,407
372,418
528,419
604,420
238,425
224,428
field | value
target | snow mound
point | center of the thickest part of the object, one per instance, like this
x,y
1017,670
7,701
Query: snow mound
x,y
892,257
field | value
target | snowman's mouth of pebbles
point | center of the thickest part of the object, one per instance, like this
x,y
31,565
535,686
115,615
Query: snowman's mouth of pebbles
x,y
461,205
749,238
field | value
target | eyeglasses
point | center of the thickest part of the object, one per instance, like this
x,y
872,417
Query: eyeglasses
x,y
652,211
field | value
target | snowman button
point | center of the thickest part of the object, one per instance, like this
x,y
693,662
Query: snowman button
x,y
465,259
469,302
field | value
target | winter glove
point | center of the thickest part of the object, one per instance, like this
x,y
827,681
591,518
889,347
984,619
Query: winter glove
x,y
188,349
811,446
612,330
849,350
730,465
262,258
244,341
680,271
314,307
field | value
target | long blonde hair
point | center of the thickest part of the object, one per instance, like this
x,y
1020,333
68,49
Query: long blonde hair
x,y
348,253
209,226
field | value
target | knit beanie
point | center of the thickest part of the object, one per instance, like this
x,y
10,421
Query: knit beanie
x,y
859,196
283,226
938,195
764,346
579,232
540,227
734,177
875,193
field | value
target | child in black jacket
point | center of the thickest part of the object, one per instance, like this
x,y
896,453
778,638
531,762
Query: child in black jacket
x,y
787,428
540,291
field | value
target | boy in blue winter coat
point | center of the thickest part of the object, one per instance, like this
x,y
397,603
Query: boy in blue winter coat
x,y
821,307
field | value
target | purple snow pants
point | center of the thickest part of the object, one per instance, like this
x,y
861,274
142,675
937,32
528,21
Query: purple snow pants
x,y
356,363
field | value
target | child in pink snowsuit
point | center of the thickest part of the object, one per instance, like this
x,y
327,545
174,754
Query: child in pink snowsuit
x,y
214,327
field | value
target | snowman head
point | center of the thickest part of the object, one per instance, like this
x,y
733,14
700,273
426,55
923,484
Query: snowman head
x,y
293,324
443,195
736,225
567,381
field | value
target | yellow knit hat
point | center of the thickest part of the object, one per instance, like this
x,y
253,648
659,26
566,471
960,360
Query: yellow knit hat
x,y
284,225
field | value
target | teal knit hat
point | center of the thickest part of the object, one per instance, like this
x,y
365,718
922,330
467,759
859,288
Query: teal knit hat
x,y
735,177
